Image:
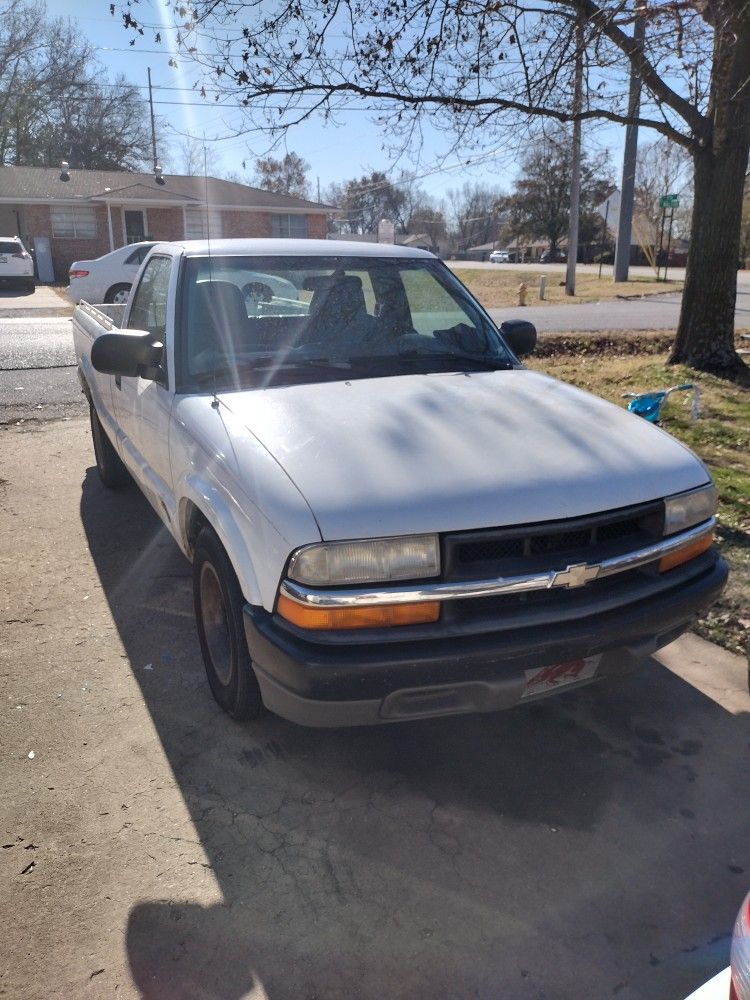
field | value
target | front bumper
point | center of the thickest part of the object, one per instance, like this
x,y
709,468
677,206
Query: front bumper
x,y
319,684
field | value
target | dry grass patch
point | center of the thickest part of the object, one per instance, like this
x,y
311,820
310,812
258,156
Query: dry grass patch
x,y
498,288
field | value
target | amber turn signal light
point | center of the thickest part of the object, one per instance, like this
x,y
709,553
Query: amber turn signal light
x,y
684,555
368,616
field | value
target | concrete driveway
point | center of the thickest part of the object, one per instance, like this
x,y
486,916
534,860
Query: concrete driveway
x,y
591,846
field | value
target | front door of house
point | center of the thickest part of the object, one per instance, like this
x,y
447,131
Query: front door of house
x,y
135,225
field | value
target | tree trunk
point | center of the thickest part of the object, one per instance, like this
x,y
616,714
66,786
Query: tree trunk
x,y
705,335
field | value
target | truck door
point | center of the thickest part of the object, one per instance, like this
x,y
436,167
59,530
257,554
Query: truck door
x,y
142,405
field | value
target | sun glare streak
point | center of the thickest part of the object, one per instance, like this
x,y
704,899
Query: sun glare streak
x,y
185,84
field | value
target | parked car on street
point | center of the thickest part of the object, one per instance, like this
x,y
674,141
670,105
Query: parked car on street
x,y
108,278
16,263
388,516
500,257
555,256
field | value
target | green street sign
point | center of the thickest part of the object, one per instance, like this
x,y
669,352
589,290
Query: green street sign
x,y
669,201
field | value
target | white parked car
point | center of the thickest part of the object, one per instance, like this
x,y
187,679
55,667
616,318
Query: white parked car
x,y
108,278
500,257
15,261
388,516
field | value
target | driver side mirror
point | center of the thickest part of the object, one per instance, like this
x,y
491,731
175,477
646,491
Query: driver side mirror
x,y
127,352
519,335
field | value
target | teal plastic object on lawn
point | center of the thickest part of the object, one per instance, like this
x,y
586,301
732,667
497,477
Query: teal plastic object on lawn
x,y
649,404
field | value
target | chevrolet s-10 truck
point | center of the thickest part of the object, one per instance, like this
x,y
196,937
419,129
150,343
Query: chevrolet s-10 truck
x,y
388,516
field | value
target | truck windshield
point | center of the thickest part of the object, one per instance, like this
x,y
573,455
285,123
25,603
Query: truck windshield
x,y
254,321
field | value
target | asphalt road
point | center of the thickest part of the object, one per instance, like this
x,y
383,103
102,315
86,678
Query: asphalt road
x,y
652,312
37,370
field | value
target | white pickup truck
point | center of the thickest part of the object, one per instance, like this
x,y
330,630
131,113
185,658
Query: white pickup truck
x,y
388,516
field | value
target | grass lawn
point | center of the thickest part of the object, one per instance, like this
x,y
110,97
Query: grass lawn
x,y
721,437
498,288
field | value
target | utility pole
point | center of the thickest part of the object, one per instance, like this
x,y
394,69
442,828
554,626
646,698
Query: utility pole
x,y
627,188
575,168
153,126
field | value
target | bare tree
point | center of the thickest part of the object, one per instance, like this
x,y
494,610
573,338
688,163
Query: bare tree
x,y
57,103
285,176
197,158
487,69
473,214
663,167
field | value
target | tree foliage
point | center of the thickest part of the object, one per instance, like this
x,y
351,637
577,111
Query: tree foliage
x,y
56,102
364,202
540,204
486,70
285,176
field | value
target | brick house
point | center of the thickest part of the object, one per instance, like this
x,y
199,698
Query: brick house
x,y
99,210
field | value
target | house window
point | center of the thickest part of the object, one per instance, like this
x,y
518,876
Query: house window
x,y
286,226
76,222
195,224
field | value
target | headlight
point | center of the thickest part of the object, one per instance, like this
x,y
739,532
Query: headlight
x,y
376,561
686,509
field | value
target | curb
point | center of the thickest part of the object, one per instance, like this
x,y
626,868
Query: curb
x,y
61,312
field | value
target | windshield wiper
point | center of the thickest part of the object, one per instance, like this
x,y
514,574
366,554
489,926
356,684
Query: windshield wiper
x,y
492,363
267,361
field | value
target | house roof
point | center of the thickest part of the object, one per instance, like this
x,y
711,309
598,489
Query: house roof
x,y
35,184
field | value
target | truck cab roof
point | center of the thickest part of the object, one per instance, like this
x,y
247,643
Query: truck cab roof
x,y
292,248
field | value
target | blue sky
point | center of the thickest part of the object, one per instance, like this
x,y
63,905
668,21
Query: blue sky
x,y
334,152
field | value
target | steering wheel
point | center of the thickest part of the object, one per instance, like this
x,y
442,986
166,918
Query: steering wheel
x,y
257,291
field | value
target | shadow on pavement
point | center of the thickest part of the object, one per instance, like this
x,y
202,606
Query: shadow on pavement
x,y
11,289
589,845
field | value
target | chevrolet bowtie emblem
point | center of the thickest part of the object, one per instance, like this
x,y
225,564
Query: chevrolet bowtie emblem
x,y
576,576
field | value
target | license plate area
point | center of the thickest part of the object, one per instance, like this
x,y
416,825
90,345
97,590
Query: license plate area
x,y
544,680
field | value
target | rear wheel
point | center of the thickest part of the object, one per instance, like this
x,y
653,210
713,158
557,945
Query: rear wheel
x,y
109,465
118,294
218,604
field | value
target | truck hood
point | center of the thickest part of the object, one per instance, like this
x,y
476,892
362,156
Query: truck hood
x,y
449,452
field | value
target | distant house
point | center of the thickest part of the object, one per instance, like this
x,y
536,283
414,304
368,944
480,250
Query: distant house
x,y
420,241
98,210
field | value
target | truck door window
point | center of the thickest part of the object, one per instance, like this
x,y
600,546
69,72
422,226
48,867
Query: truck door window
x,y
149,309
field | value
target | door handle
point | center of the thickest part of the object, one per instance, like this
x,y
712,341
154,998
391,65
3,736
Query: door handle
x,y
118,381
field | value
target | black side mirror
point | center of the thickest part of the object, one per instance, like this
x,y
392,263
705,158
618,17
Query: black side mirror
x,y
128,352
519,335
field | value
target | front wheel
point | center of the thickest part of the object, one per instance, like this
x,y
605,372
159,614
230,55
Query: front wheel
x,y
118,294
109,465
218,604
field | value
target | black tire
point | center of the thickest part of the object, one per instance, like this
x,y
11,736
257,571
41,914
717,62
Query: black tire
x,y
109,465
29,284
218,604
117,293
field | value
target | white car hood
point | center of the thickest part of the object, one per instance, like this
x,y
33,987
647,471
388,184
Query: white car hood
x,y
447,452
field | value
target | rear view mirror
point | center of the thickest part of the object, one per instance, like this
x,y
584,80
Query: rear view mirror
x,y
128,352
519,335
